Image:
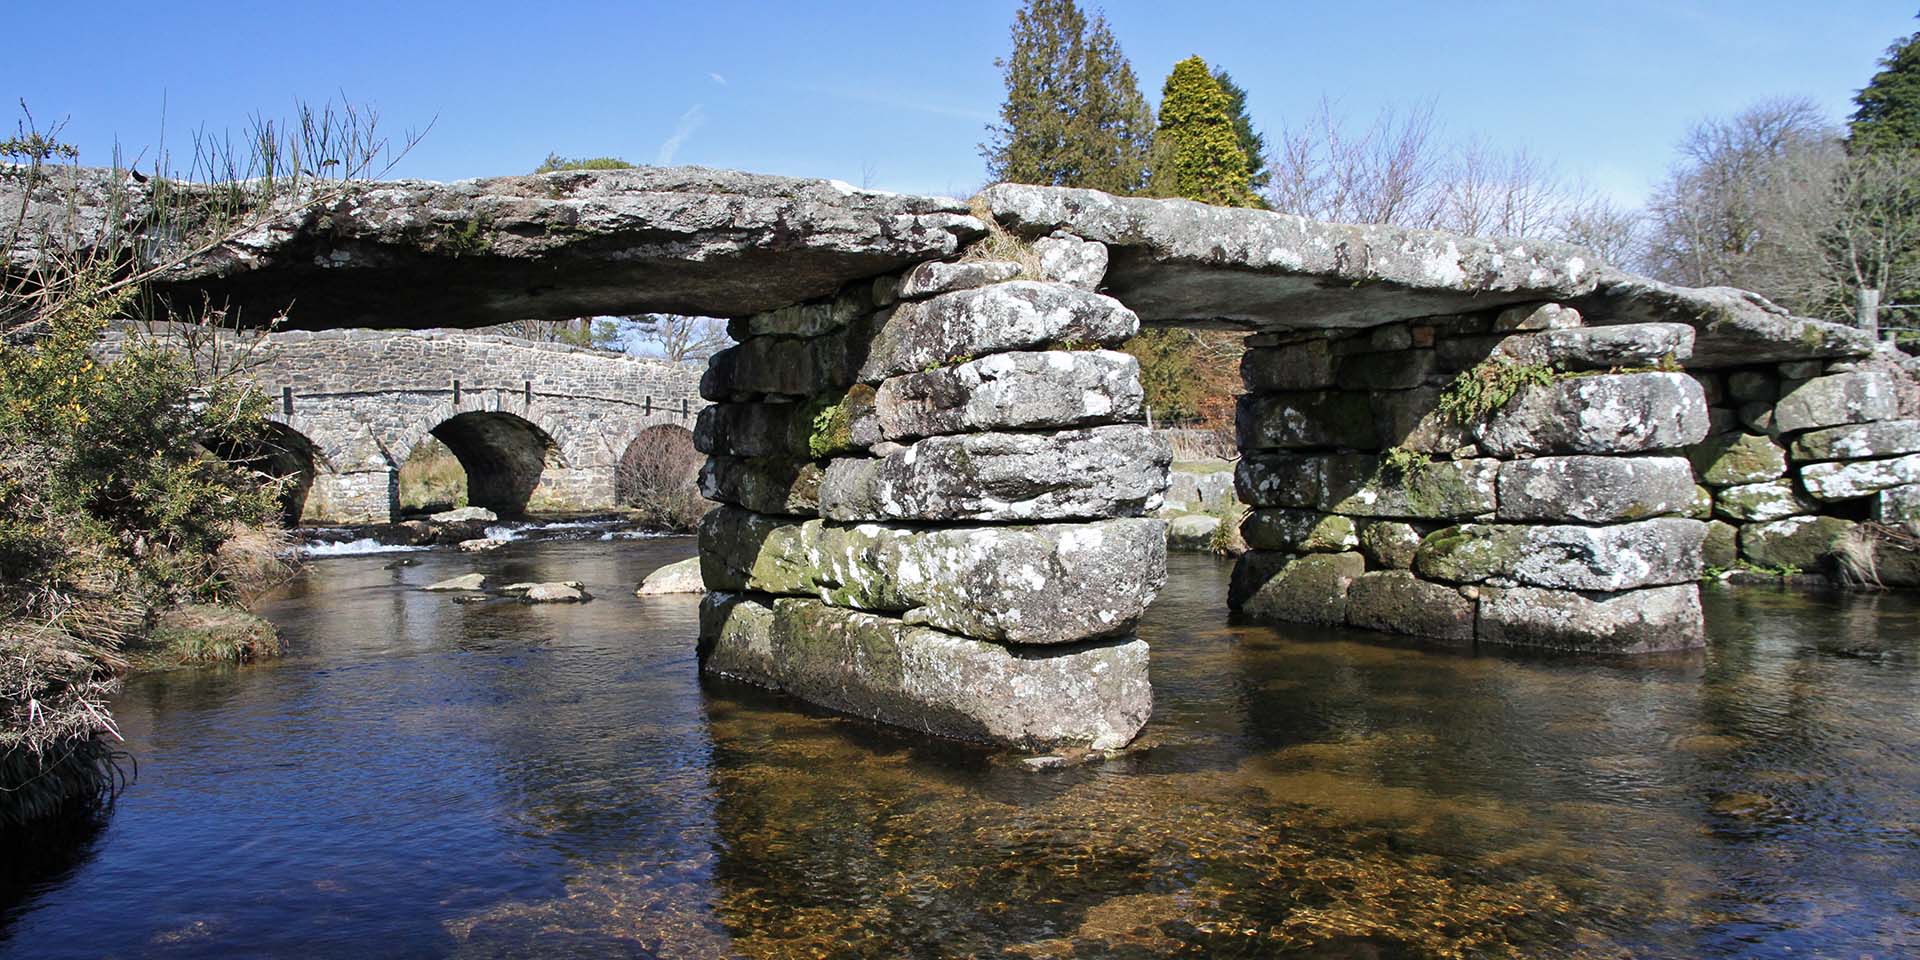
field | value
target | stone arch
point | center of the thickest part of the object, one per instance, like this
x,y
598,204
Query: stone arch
x,y
283,451
503,454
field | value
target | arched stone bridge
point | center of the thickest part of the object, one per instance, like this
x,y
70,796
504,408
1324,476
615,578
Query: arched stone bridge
x,y
938,494
539,427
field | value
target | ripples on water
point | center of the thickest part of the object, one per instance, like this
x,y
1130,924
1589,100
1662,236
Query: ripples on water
x,y
423,778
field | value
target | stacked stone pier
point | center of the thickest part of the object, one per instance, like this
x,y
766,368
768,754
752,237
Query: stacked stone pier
x,y
936,492
1385,498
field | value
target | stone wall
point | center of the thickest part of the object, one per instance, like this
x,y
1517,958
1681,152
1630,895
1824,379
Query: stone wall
x,y
937,505
1799,458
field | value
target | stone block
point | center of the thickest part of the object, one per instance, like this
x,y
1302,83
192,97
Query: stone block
x,y
1355,484
1017,315
1298,531
1620,557
1773,500
775,485
1544,316
1408,419
1602,348
1796,543
1072,261
1735,458
1594,489
787,366
1005,391
1607,413
1800,370
1396,370
1834,400
1041,584
1721,548
1389,544
1702,506
1193,533
1396,601
1309,589
1722,420
1753,386
1712,385
1634,621
1898,505
1860,441
1095,473
755,430
1331,418
1844,480
1304,365
937,277
811,319
1757,416
1096,696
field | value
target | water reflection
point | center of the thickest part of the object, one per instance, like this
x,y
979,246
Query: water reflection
x,y
426,778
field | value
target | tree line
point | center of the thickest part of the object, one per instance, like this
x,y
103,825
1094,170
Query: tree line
x,y
1777,199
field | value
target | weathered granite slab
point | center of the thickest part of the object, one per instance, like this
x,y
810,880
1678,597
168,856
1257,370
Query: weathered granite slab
x,y
1093,695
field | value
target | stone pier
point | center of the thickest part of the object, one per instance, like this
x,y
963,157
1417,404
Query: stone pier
x,y
936,493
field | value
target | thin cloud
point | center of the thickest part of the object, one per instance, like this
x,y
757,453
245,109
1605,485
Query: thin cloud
x,y
717,78
688,123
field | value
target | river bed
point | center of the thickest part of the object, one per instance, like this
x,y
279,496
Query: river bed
x,y
424,778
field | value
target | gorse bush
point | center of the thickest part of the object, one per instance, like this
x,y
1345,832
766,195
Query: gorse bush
x,y
113,506
110,508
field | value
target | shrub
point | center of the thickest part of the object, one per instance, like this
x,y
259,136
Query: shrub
x,y
659,478
113,503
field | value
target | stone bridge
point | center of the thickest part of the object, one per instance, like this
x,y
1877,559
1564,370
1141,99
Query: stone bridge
x,y
936,488
538,427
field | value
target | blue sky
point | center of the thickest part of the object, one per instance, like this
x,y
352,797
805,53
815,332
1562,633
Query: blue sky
x,y
897,94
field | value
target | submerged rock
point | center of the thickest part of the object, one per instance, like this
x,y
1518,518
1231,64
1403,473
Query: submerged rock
x,y
470,581
679,577
568,592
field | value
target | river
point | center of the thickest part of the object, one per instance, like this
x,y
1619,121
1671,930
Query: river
x,y
423,778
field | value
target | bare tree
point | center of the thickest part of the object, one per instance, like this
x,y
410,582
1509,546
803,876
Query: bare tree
x,y
1718,218
1397,170
680,339
1484,192
1386,172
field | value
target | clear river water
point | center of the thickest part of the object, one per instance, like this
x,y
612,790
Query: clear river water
x,y
421,778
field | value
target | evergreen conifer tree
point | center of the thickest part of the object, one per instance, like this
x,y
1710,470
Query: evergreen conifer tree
x,y
1889,106
1074,116
1252,142
1197,152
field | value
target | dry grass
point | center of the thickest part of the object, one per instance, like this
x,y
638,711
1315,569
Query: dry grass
x,y
432,479
256,559
56,735
999,244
